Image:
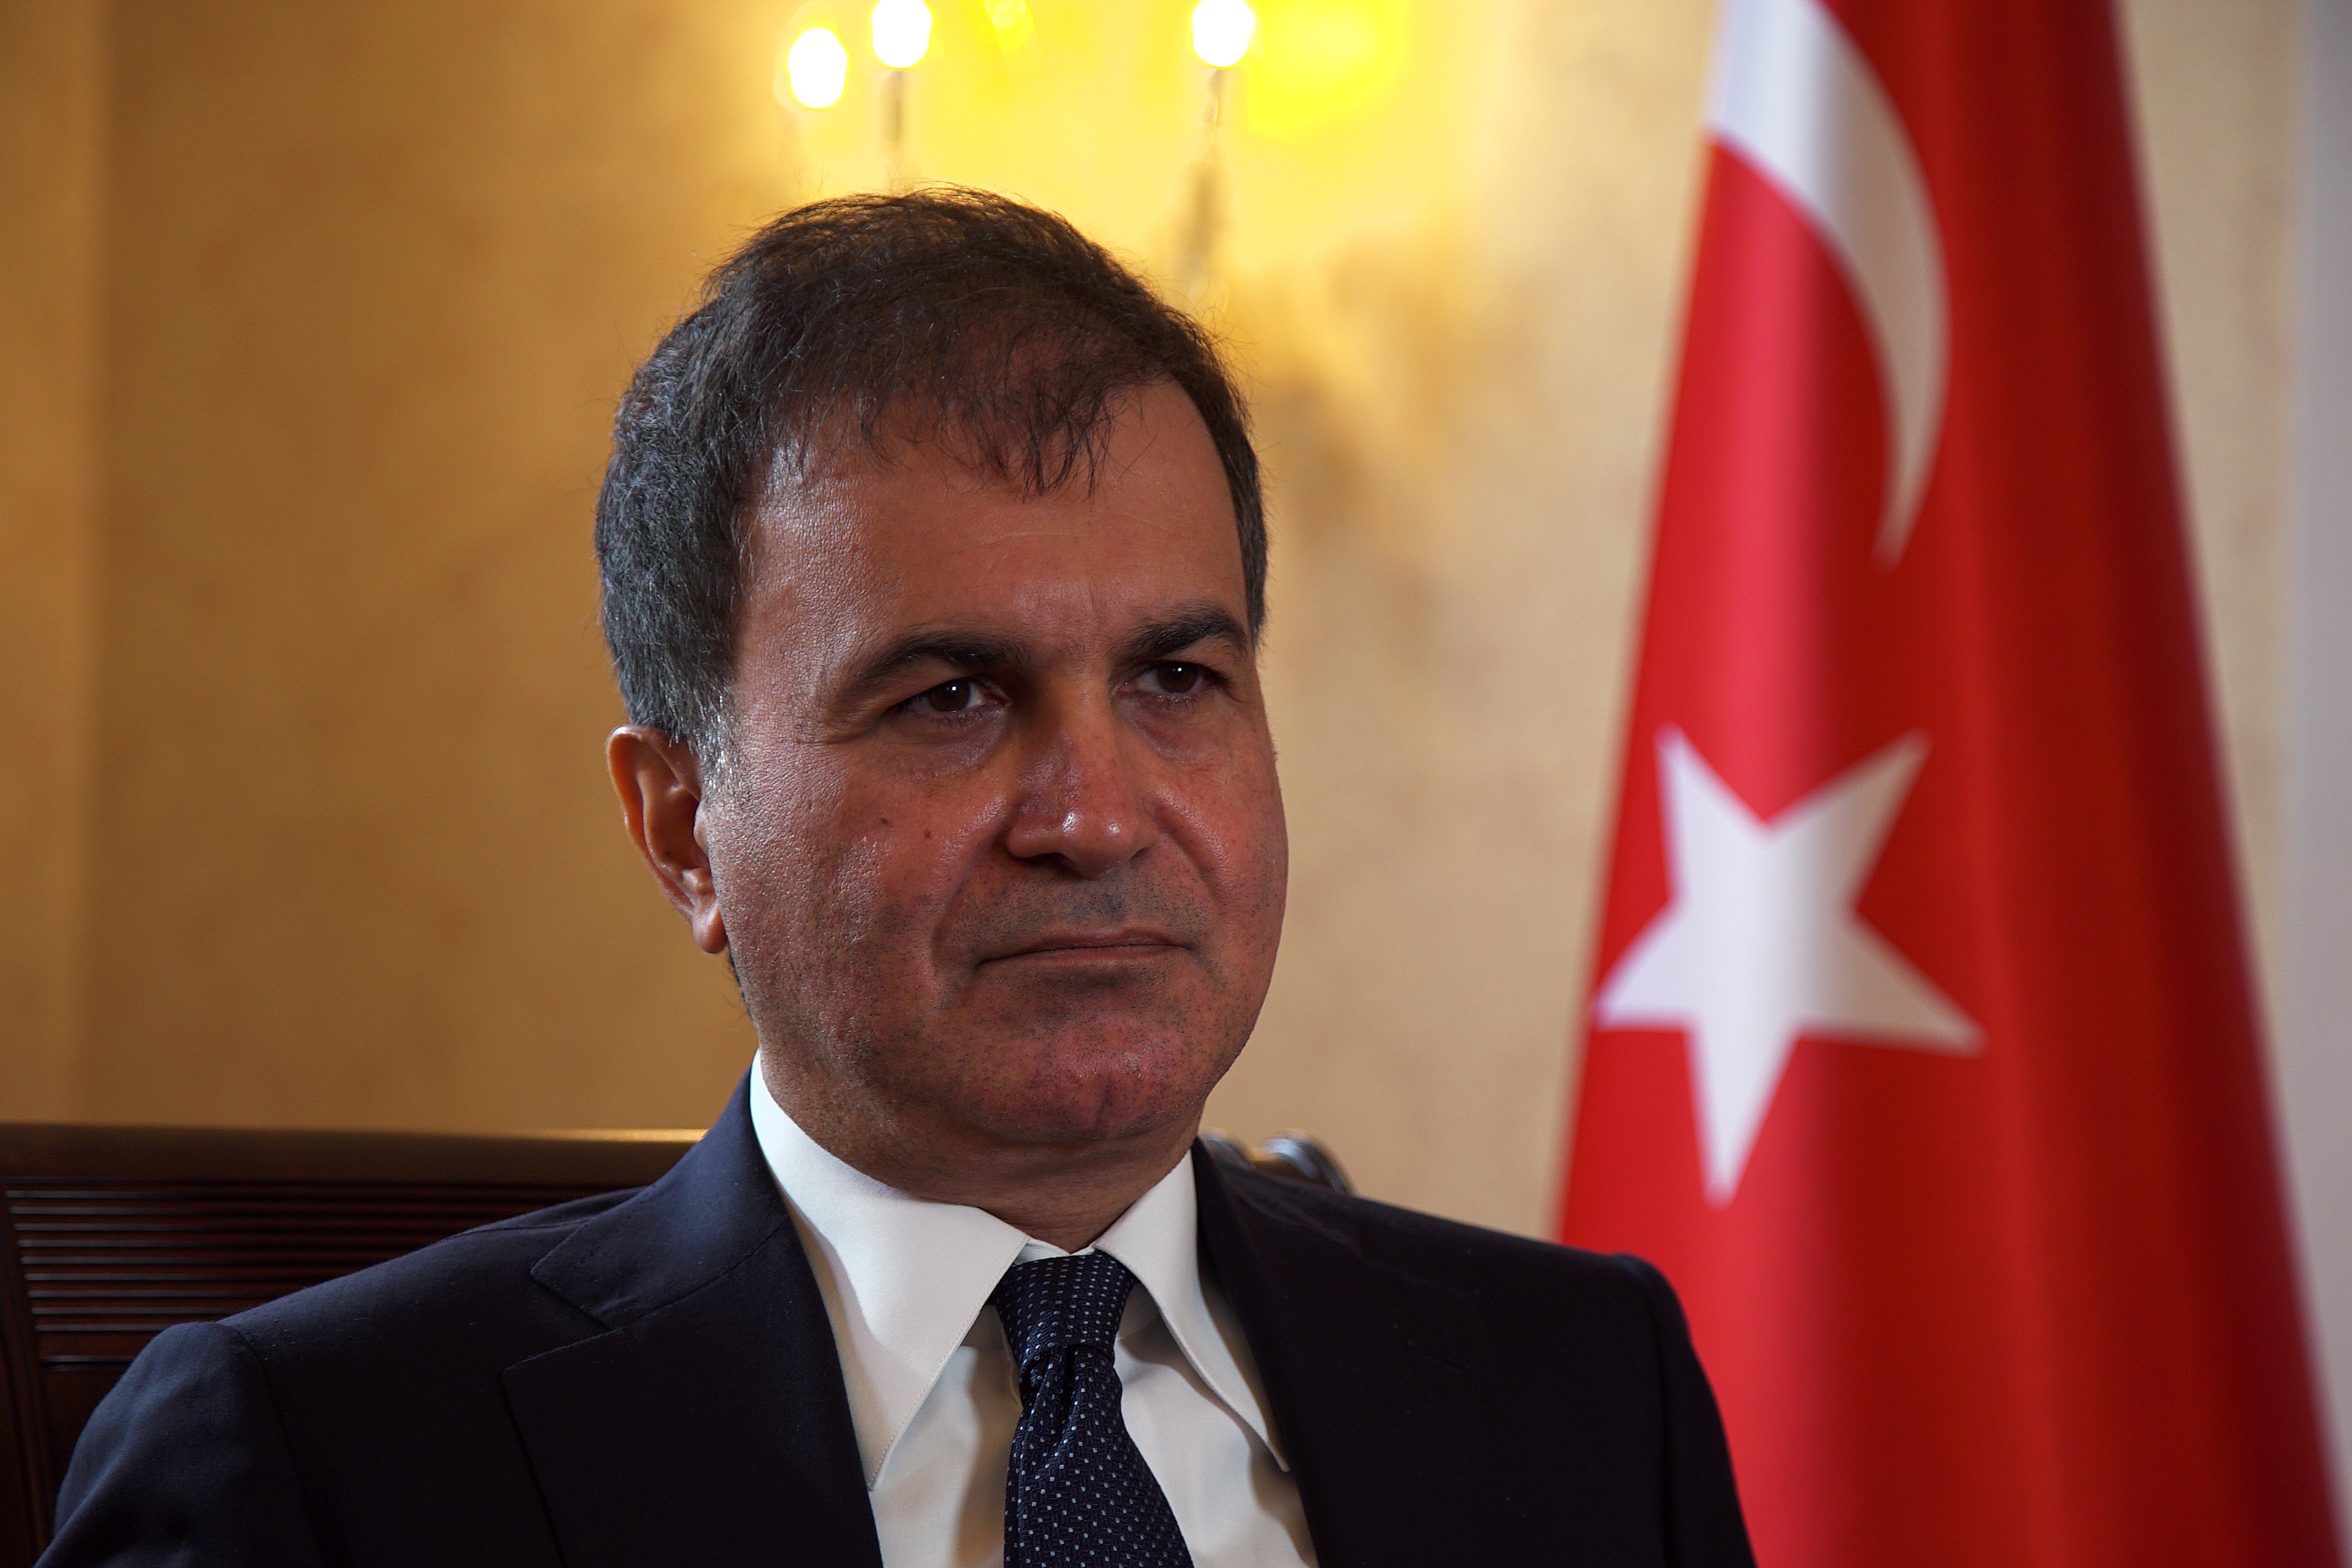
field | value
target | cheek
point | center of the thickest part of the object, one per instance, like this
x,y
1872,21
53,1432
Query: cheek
x,y
877,868
897,873
1269,887
1241,842
786,874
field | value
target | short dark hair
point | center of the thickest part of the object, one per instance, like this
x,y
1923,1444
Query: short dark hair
x,y
839,322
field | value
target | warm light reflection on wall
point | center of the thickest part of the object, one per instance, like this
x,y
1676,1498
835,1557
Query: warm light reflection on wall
x,y
1338,119
1323,61
1015,28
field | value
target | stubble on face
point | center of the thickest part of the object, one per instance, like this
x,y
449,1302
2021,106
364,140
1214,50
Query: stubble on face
x,y
1019,891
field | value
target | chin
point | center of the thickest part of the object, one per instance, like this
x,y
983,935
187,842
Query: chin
x,y
1089,1096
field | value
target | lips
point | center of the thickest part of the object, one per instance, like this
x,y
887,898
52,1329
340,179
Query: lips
x,y
1135,942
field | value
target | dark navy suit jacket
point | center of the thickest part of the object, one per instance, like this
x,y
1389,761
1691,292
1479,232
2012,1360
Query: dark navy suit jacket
x,y
650,1378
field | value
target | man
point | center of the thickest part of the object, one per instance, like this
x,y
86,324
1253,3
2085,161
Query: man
x,y
934,562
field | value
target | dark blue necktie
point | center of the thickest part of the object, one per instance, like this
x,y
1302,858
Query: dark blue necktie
x,y
1076,1491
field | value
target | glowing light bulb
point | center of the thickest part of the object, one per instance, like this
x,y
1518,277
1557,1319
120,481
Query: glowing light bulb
x,y
818,67
1222,30
902,32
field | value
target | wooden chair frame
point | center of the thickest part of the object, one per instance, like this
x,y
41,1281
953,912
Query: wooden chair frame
x,y
110,1235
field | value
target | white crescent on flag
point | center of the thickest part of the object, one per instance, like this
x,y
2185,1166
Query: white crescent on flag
x,y
1797,101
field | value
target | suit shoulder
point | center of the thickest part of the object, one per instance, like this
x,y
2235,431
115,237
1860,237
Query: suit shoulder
x,y
1481,1262
474,1283
186,1448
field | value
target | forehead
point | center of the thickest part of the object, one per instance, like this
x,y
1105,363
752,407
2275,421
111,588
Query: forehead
x,y
868,548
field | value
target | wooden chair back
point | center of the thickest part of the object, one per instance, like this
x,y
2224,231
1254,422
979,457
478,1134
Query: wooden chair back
x,y
110,1235
1295,1156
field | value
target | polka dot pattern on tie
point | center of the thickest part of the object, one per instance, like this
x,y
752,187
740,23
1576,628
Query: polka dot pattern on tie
x,y
1076,1492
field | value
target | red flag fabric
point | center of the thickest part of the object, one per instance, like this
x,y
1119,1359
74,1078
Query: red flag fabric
x,y
1921,1054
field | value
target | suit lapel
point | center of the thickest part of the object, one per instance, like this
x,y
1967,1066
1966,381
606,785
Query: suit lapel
x,y
1373,1375
708,1424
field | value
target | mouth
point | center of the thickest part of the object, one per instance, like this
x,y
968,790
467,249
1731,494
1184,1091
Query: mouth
x,y
1127,945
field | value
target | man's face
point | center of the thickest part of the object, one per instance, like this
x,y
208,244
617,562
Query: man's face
x,y
999,848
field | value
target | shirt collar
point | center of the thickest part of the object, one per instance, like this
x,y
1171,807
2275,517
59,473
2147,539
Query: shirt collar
x,y
903,1278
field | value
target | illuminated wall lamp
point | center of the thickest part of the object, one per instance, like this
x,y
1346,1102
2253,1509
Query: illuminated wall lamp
x,y
816,67
1222,30
902,33
902,37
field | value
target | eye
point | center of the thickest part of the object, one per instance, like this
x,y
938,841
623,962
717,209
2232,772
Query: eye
x,y
1172,679
950,696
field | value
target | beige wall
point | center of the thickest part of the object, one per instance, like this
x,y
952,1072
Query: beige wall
x,y
52,97
303,436
2217,105
1463,404
374,273
2314,985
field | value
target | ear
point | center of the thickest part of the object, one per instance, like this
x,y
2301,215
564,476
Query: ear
x,y
659,782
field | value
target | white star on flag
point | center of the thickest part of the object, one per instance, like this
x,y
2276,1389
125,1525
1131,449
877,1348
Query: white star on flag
x,y
1760,943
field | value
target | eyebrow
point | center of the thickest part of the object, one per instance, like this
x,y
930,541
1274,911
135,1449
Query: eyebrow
x,y
1160,638
1187,627
955,649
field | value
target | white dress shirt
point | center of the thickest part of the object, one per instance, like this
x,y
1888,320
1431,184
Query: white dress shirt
x,y
934,1394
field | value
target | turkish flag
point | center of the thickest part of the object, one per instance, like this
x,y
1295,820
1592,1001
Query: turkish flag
x,y
1920,1052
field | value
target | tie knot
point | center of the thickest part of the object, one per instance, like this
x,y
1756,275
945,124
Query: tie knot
x,y
1056,1303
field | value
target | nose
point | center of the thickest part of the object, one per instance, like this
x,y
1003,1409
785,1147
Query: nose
x,y
1083,800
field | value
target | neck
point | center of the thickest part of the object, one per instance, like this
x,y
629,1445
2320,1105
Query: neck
x,y
1069,1215
1065,1193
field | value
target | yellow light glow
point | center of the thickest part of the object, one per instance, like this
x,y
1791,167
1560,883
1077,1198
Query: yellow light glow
x,y
817,66
1015,28
1222,30
902,33
1320,65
